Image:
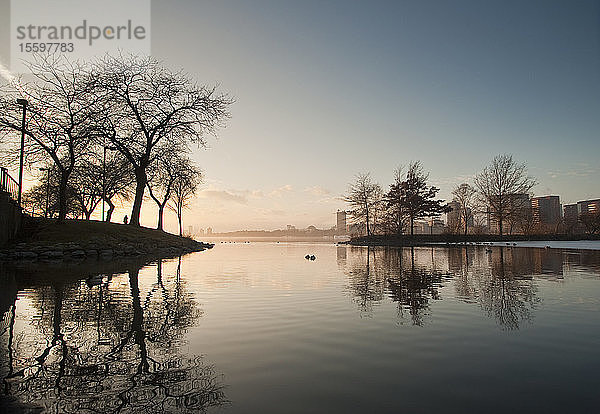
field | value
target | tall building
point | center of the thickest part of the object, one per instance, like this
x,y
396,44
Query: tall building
x,y
341,222
546,210
430,226
570,213
453,216
436,226
518,205
588,207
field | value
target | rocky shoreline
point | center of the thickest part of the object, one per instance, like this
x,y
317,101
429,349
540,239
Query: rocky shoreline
x,y
91,250
46,240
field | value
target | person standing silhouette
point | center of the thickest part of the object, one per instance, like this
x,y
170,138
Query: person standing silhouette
x,y
125,219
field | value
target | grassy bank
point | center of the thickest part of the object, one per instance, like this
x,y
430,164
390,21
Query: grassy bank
x,y
46,239
427,239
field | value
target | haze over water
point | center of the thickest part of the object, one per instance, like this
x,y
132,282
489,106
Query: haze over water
x,y
258,328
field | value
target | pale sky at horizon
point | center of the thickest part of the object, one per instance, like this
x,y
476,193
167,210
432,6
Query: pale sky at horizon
x,y
325,90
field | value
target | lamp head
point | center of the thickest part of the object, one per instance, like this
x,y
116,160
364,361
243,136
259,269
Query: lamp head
x,y
22,102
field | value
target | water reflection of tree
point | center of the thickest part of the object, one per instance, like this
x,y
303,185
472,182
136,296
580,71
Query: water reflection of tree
x,y
378,273
412,286
460,262
366,284
508,296
500,280
113,350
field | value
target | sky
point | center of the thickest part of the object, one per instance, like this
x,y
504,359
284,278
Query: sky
x,y
325,90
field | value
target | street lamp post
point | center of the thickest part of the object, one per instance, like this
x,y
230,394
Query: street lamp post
x,y
47,191
22,102
104,176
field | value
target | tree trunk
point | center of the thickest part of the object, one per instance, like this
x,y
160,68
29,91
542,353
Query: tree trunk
x,y
399,228
62,195
161,209
412,226
500,226
141,179
111,208
179,218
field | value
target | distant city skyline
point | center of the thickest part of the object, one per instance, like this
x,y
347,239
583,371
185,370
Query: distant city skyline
x,y
328,90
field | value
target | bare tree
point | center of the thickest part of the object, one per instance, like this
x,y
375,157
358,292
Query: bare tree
x,y
522,219
146,106
118,180
87,183
502,185
379,211
591,222
57,129
43,198
184,187
362,196
464,196
170,166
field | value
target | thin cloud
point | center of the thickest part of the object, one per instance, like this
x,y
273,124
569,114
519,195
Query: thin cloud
x,y
268,212
223,195
581,172
317,191
279,192
454,181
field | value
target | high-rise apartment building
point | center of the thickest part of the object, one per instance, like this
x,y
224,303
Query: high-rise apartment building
x,y
588,207
546,210
341,222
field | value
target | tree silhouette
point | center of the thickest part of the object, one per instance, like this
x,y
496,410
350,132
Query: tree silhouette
x,y
185,185
57,126
44,198
146,107
394,200
500,185
417,197
464,195
163,174
363,195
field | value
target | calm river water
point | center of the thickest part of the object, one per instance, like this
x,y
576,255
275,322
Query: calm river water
x,y
257,328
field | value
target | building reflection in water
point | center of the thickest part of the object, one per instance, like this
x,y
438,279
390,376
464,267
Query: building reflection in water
x,y
501,281
106,345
